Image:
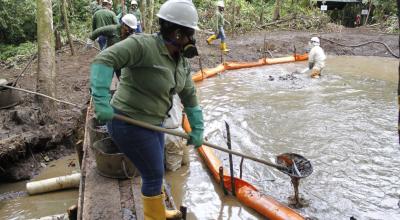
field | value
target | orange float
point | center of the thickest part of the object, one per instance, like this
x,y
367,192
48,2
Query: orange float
x,y
209,72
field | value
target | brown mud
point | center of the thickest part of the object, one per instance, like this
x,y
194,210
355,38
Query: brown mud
x,y
28,139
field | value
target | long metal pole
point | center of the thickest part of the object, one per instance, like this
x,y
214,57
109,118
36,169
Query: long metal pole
x,y
185,136
228,137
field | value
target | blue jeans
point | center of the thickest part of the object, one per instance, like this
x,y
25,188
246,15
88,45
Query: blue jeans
x,y
139,28
145,148
102,42
221,34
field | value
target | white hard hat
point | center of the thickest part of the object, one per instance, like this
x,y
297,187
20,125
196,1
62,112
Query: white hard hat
x,y
315,41
221,4
130,20
180,12
134,2
108,1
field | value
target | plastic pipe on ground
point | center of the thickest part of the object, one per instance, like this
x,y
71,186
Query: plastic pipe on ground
x,y
53,184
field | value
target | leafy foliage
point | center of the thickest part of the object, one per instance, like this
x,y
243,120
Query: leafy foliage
x,y
17,21
18,18
10,52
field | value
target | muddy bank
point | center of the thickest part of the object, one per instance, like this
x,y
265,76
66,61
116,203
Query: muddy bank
x,y
250,47
28,137
26,130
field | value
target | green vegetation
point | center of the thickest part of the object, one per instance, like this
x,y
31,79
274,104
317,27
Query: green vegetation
x,y
10,53
18,18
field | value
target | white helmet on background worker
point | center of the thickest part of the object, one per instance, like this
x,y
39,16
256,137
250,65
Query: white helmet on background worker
x,y
182,12
221,4
134,2
108,2
130,20
315,41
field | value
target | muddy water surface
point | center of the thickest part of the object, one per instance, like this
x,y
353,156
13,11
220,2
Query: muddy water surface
x,y
21,206
344,122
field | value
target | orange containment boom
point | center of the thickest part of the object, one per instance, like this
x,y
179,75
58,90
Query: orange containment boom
x,y
245,192
206,73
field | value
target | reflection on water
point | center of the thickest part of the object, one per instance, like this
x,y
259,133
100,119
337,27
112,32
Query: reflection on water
x,y
36,206
345,123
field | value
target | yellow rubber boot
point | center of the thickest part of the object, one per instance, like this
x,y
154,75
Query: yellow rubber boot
x,y
211,38
153,207
224,48
171,214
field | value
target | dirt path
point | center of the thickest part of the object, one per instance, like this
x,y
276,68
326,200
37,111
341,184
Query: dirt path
x,y
24,133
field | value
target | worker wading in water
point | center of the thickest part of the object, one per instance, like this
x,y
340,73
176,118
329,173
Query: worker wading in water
x,y
316,58
115,33
219,26
104,17
154,68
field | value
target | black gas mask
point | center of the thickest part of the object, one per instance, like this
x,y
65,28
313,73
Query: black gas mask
x,y
190,49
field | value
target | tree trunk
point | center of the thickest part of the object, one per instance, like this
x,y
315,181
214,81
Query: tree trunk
x,y
57,36
277,13
123,8
142,7
233,16
369,11
66,23
398,83
46,74
151,14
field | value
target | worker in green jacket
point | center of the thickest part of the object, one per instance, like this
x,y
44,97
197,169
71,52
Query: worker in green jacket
x,y
115,33
95,6
219,25
136,11
104,17
154,68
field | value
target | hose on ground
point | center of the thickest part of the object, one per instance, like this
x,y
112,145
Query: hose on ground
x,y
362,44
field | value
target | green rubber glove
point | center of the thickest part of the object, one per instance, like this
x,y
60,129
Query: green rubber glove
x,y
195,116
100,81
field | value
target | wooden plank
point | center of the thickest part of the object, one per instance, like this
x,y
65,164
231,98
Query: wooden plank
x,y
83,164
127,204
102,196
137,197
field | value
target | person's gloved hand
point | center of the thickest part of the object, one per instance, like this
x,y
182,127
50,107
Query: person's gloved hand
x,y
195,116
100,81
89,43
310,66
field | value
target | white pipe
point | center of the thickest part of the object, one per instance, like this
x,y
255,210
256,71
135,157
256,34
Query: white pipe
x,y
52,217
53,184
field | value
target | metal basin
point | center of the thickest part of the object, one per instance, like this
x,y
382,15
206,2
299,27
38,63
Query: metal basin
x,y
110,162
8,97
97,130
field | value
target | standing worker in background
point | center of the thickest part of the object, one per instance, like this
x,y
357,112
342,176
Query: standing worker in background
x,y
136,11
95,6
115,33
154,68
104,17
316,58
220,21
